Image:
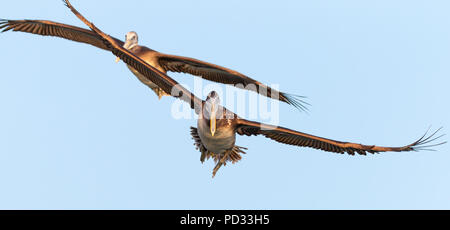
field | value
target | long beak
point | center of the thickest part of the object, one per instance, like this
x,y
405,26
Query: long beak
x,y
212,120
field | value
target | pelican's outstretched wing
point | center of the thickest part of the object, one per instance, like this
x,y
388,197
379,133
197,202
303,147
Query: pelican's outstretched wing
x,y
291,137
224,75
168,62
49,28
165,82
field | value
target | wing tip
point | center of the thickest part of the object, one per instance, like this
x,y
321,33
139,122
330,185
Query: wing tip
x,y
66,2
68,5
4,25
425,142
296,100
3,21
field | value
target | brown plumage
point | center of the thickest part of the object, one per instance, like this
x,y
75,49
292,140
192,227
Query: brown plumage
x,y
163,62
291,137
221,145
49,28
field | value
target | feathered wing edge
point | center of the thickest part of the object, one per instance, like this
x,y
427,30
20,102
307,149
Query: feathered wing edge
x,y
216,73
54,29
297,101
291,137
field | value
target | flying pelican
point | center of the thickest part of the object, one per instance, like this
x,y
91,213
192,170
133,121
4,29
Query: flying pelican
x,y
162,62
215,135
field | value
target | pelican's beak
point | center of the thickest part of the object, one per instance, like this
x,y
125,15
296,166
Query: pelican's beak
x,y
117,59
212,120
127,44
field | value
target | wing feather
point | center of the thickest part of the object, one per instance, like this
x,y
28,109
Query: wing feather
x,y
49,28
291,137
224,75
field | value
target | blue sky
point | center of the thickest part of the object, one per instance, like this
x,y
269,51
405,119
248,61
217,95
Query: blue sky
x,y
78,131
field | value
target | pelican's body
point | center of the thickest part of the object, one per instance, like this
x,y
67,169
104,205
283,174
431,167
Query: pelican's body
x,y
224,135
220,144
150,56
223,139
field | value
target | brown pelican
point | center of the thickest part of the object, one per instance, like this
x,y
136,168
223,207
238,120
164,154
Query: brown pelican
x,y
215,135
162,62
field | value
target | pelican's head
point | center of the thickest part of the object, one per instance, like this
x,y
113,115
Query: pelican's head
x,y
212,105
131,40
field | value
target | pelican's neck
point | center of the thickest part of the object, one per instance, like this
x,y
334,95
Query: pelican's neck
x,y
132,46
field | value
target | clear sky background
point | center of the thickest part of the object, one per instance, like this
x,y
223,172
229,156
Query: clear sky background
x,y
78,131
